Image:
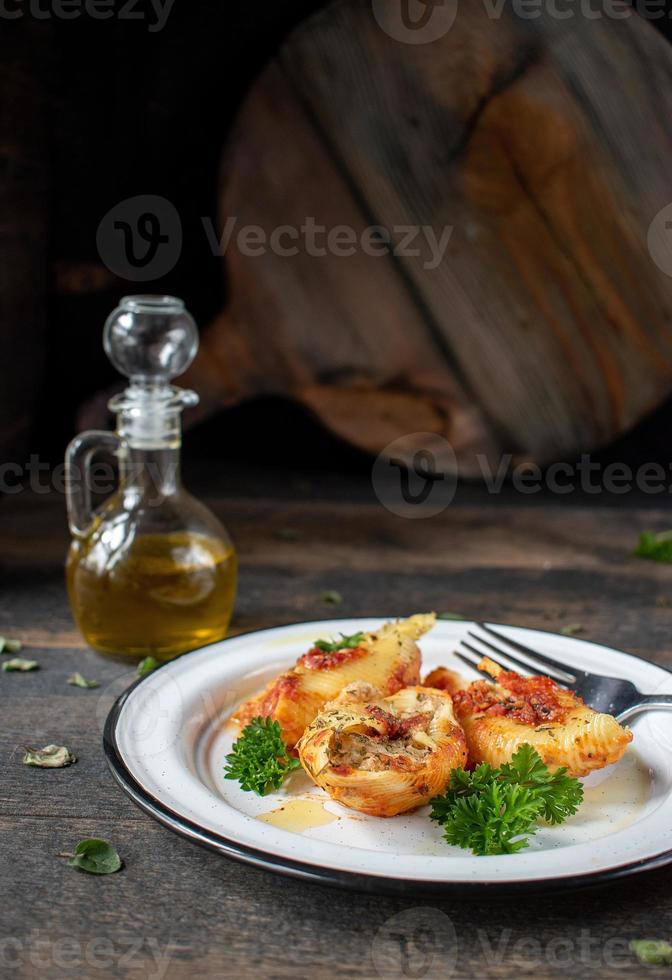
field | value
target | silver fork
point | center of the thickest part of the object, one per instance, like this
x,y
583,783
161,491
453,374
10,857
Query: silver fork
x,y
612,695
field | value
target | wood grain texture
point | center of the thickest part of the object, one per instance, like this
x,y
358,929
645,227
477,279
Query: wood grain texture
x,y
543,566
545,329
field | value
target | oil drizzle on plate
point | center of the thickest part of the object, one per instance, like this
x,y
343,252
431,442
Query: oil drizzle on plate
x,y
298,815
619,798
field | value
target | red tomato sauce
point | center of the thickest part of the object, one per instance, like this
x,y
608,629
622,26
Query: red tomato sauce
x,y
284,687
531,701
317,659
394,727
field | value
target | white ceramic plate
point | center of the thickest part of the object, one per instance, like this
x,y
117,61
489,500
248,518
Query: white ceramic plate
x,y
167,736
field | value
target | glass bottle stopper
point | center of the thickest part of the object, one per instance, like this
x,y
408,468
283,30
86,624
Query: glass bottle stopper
x,y
151,340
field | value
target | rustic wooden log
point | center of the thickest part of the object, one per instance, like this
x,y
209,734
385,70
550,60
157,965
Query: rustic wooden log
x,y
545,145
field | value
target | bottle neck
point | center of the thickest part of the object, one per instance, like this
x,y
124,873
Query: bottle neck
x,y
151,474
150,429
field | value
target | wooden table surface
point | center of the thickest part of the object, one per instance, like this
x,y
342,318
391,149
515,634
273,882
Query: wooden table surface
x,y
177,910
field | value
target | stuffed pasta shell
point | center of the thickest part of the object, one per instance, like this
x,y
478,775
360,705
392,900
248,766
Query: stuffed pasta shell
x,y
388,658
384,756
445,680
498,718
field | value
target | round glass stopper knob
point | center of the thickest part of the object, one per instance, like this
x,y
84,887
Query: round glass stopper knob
x,y
150,338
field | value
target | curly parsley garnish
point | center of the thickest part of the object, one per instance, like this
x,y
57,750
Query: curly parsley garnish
x,y
489,811
345,643
259,759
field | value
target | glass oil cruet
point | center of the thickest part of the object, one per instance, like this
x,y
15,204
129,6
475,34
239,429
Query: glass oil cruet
x,y
152,571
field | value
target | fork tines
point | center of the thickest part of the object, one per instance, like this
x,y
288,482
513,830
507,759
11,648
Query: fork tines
x,y
472,660
531,662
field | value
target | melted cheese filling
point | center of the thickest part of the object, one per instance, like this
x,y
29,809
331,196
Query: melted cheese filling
x,y
376,754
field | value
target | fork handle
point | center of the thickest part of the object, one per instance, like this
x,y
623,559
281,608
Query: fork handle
x,y
647,702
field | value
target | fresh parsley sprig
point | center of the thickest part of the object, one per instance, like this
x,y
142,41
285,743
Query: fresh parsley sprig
x,y
489,811
560,795
259,759
345,643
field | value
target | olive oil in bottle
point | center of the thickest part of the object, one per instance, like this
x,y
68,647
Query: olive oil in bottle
x,y
153,572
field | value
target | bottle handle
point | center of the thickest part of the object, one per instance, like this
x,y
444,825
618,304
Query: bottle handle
x,y
77,483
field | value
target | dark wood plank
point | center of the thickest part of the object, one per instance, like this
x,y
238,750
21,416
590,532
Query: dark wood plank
x,y
543,566
219,918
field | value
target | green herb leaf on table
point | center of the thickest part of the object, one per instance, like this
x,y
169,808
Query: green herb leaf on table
x,y
259,759
94,856
653,952
332,598
147,665
571,629
77,680
657,547
50,757
450,615
288,534
18,663
345,643
489,811
10,646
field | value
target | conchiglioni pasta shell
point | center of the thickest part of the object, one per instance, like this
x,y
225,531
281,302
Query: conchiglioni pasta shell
x,y
584,741
392,661
390,791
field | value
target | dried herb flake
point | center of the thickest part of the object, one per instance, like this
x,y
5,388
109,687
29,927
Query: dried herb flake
x,y
571,629
147,665
18,663
288,534
50,757
94,856
332,598
656,547
10,646
77,680
654,952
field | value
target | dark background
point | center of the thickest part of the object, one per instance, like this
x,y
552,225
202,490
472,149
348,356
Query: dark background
x,y
126,111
